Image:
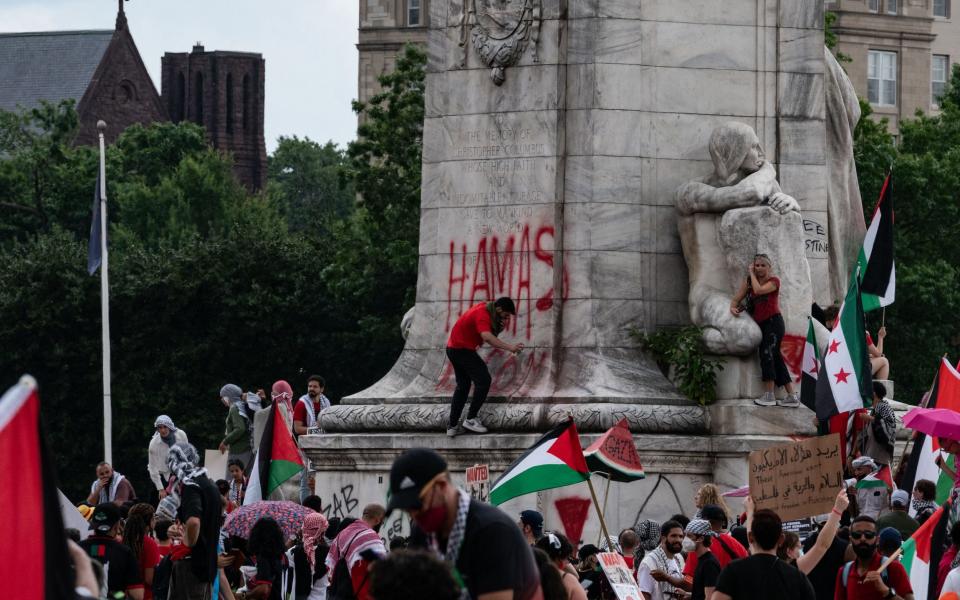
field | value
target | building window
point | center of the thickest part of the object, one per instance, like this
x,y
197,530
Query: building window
x,y
885,6
198,98
230,107
247,103
939,71
181,101
413,12
882,78
941,8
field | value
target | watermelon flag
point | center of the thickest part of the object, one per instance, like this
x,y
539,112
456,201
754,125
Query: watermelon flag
x,y
809,369
922,554
278,459
844,383
922,465
556,460
615,454
35,562
848,427
875,261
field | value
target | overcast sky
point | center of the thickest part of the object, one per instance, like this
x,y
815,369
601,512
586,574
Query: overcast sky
x,y
309,47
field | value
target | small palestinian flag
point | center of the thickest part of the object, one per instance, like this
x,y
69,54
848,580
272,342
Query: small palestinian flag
x,y
922,554
922,465
556,460
882,478
875,261
278,459
34,558
810,368
844,383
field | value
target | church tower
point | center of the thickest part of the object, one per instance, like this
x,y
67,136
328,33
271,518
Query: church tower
x,y
224,92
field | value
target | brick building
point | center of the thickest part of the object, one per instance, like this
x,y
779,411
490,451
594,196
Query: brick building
x,y
902,51
385,26
224,92
102,70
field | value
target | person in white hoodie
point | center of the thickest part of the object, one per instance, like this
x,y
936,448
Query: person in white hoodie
x,y
165,436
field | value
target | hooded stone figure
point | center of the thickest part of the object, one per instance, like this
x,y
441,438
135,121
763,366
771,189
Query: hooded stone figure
x,y
741,178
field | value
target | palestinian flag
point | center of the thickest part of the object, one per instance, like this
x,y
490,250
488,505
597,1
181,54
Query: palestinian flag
x,y
922,554
945,393
278,459
848,427
556,460
875,261
845,383
34,562
809,369
615,454
882,478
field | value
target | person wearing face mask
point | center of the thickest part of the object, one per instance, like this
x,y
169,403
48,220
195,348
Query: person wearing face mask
x,y
699,538
861,579
482,544
661,571
359,545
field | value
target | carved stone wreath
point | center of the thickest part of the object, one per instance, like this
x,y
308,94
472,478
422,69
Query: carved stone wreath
x,y
501,31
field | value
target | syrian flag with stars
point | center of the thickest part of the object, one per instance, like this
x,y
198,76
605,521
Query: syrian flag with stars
x,y
844,383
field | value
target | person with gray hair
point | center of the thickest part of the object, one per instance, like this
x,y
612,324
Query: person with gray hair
x,y
164,437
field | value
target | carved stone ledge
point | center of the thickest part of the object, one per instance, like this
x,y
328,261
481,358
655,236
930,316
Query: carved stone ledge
x,y
643,418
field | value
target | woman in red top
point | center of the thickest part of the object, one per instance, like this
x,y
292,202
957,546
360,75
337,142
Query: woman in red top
x,y
137,535
761,290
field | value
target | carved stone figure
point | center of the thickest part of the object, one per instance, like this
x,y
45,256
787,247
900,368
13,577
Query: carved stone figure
x,y
845,211
500,30
724,219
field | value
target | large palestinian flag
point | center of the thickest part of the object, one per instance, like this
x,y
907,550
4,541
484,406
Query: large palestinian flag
x,y
33,559
922,554
615,454
875,261
809,368
844,383
922,465
556,460
278,459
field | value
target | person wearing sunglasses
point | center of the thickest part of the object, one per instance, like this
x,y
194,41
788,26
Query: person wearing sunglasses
x,y
861,579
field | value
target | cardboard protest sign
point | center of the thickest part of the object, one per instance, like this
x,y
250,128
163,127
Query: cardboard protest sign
x,y
478,482
797,480
619,576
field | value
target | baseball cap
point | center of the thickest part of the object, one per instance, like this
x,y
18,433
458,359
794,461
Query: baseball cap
x,y
890,538
534,520
105,516
411,471
900,498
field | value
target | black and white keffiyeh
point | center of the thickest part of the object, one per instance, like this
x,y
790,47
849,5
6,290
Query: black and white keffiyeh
x,y
182,461
662,562
455,541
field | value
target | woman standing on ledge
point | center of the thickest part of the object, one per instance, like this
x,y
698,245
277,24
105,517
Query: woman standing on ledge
x,y
761,291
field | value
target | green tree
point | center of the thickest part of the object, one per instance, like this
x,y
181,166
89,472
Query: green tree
x,y
306,183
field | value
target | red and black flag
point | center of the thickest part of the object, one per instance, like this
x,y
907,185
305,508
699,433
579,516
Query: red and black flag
x,y
34,562
277,460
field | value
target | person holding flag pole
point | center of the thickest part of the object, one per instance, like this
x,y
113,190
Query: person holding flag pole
x,y
97,258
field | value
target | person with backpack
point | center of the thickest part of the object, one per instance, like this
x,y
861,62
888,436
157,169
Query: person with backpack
x,y
724,547
309,559
237,437
860,579
353,552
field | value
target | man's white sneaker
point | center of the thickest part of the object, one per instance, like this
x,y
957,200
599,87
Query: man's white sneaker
x,y
790,400
474,425
766,399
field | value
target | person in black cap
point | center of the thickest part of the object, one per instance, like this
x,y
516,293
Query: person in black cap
x,y
481,323
483,546
531,524
123,569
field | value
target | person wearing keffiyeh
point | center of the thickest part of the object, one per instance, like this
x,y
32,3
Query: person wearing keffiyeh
x,y
310,558
880,432
238,433
359,544
110,486
165,435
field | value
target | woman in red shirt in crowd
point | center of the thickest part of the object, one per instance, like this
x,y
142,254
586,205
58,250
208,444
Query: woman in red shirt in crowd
x,y
761,290
137,534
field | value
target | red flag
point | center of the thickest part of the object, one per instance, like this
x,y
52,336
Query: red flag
x,y
34,556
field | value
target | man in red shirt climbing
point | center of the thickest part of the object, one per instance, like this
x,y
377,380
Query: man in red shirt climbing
x,y
481,323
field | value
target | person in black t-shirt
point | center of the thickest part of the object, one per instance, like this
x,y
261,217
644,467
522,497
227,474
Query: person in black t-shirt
x,y
823,577
708,567
485,546
763,576
123,569
199,512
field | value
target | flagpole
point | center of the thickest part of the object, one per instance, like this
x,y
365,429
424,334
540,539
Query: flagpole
x,y
105,303
603,523
606,493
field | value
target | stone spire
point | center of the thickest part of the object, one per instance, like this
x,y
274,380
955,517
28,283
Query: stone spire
x,y
121,16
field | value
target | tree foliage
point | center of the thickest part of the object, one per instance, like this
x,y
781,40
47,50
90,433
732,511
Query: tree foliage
x,y
307,182
925,165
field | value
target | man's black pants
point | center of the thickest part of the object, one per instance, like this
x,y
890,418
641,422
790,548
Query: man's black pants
x,y
468,368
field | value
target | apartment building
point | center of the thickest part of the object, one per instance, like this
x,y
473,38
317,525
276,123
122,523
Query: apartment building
x,y
385,26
